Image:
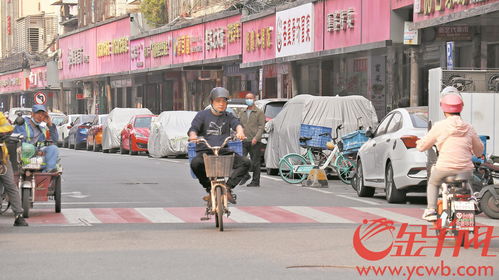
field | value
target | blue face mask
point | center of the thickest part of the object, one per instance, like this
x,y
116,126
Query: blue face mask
x,y
250,102
35,122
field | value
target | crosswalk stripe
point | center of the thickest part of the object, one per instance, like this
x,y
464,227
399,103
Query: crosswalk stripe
x,y
241,216
392,215
76,215
158,215
487,221
314,214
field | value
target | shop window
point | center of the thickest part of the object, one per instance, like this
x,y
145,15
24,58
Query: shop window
x,y
270,88
234,85
464,57
493,56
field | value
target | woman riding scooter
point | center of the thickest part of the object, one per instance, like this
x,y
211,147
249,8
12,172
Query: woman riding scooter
x,y
456,142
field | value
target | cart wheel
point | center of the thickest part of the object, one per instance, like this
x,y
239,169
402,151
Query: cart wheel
x,y
26,202
57,195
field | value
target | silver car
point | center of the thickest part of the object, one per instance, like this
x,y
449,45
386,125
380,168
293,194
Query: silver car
x,y
389,160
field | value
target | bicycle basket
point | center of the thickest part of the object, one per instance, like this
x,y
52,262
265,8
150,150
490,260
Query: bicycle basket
x,y
353,141
218,166
314,132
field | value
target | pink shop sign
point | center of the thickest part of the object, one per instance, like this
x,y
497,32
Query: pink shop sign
x,y
137,54
159,50
12,82
397,4
429,9
223,37
113,47
38,77
343,23
188,44
77,55
259,39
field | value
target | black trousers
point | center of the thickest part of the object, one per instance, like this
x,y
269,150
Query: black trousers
x,y
240,168
255,152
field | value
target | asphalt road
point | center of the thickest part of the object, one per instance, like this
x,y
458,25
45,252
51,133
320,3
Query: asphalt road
x,y
135,217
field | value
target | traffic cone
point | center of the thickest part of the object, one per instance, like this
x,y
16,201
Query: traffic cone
x,y
317,178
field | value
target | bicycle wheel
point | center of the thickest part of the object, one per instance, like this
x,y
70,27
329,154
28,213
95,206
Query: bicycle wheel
x,y
220,208
286,166
344,167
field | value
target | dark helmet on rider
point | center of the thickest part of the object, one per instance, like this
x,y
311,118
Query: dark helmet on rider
x,y
219,92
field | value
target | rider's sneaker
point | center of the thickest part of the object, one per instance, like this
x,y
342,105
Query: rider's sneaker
x,y
207,197
20,222
430,215
230,196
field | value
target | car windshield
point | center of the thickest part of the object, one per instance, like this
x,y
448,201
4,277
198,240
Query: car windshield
x,y
419,119
143,122
57,120
23,112
273,108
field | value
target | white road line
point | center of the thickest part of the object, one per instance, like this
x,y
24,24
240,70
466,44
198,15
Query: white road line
x,y
392,215
241,216
359,199
75,215
316,215
487,221
159,215
319,190
271,178
169,160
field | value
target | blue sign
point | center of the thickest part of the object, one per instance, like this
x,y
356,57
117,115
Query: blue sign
x,y
450,55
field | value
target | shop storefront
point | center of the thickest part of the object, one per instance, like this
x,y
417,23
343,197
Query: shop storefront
x,y
12,87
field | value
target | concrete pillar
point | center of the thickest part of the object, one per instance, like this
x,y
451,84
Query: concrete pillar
x,y
414,92
295,76
108,95
476,48
185,92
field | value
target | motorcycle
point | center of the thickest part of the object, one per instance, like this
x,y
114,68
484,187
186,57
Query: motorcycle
x,y
487,192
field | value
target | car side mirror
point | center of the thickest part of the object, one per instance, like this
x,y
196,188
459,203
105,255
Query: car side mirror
x,y
369,133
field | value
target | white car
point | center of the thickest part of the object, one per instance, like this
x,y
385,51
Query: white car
x,y
389,160
63,130
13,112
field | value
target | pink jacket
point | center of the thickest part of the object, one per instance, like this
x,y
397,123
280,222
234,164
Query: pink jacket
x,y
456,141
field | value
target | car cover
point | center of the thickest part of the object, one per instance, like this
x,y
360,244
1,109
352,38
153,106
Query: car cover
x,y
116,121
328,111
169,133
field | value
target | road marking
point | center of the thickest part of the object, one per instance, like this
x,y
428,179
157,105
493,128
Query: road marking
x,y
319,190
487,221
314,214
75,215
390,215
271,178
241,216
96,203
158,215
358,199
169,160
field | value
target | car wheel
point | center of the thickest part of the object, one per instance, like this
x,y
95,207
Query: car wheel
x,y
105,151
362,191
393,195
89,148
131,149
64,142
75,145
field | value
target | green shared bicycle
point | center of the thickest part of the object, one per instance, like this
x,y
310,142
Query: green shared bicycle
x,y
294,168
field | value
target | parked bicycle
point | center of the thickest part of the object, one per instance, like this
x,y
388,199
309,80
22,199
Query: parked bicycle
x,y
218,168
294,168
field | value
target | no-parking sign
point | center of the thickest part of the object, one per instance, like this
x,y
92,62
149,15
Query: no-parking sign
x,y
40,98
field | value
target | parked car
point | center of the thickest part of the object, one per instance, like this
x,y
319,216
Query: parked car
x,y
169,133
57,118
135,135
94,137
389,160
328,111
116,121
234,106
77,137
270,107
13,112
63,130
